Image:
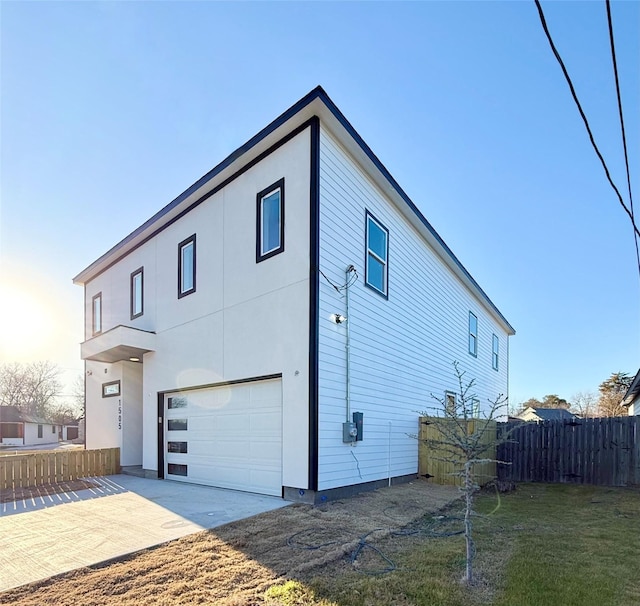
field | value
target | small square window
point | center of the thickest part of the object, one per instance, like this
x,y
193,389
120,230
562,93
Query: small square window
x,y
473,334
270,221
176,470
137,293
376,262
175,447
177,424
494,352
187,267
96,314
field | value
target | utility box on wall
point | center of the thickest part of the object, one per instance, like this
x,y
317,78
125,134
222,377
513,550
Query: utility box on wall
x,y
349,432
358,420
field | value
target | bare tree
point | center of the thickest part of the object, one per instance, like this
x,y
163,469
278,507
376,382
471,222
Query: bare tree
x,y
612,393
585,404
31,387
466,441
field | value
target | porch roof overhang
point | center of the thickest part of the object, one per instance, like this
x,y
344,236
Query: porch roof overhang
x,y
117,344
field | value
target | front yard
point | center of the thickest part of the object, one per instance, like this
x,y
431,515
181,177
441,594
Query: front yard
x,y
546,545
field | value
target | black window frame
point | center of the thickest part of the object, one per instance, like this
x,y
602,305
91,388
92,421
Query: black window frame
x,y
260,196
495,352
132,292
383,293
177,469
106,392
190,240
95,297
473,337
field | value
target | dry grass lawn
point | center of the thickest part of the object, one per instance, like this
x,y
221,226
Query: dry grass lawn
x,y
234,565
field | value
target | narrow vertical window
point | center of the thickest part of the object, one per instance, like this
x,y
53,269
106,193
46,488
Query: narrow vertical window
x,y
377,244
495,350
475,408
187,266
96,314
39,431
450,404
270,221
137,293
473,334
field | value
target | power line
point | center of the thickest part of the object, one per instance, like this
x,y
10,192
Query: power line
x,y
584,118
624,136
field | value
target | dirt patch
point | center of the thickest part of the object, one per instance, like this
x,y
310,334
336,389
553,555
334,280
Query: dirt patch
x,y
33,492
234,565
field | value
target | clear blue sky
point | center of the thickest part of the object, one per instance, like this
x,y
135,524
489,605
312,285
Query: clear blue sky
x,y
110,110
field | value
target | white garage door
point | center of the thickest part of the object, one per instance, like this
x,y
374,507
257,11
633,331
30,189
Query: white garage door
x,y
228,436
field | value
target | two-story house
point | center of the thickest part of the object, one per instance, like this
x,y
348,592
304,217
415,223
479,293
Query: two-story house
x,y
277,327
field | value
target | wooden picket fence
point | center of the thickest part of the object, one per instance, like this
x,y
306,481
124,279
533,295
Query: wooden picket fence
x,y
430,456
55,466
604,451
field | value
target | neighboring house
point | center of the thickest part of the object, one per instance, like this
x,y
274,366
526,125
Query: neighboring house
x,y
632,398
545,414
20,429
277,327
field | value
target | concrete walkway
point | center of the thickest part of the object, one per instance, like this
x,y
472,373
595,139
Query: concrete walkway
x,y
44,536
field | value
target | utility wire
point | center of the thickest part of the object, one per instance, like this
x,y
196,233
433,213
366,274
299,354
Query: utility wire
x,y
624,136
584,117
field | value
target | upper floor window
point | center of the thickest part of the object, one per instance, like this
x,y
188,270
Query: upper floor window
x,y
137,293
270,221
473,334
376,267
96,314
187,266
494,352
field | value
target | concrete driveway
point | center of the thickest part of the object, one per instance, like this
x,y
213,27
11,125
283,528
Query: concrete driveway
x,y
48,535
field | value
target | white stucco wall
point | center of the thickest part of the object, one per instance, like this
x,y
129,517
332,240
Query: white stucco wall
x,y
402,349
245,320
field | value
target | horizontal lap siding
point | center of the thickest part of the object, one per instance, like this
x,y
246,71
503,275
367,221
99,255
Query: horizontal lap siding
x,y
402,349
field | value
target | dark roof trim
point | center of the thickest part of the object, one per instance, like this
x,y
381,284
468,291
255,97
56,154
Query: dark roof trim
x,y
320,94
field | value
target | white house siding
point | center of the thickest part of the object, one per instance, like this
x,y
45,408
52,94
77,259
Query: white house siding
x,y
245,320
402,349
31,434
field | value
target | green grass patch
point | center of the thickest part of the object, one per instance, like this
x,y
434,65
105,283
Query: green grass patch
x,y
543,545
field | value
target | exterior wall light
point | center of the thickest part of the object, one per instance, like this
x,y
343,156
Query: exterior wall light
x,y
338,318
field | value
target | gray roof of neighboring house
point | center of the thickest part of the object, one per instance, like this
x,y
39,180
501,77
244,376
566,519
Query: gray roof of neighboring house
x,y
13,414
633,392
551,414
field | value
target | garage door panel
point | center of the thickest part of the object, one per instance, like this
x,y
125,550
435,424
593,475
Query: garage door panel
x,y
233,436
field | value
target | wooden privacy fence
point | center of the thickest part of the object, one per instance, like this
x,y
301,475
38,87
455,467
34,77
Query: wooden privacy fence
x,y
54,466
603,451
430,453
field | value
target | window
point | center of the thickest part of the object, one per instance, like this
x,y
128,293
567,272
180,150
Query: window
x,y
475,408
450,403
187,267
137,293
39,431
96,315
494,355
473,334
176,402
177,424
53,429
376,267
177,470
111,389
270,221
177,447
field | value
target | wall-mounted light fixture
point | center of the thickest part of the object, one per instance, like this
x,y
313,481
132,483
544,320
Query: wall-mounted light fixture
x,y
338,318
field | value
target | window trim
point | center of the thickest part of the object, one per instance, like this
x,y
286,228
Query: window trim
x,y
95,332
495,352
108,393
383,293
190,240
132,291
473,352
260,196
